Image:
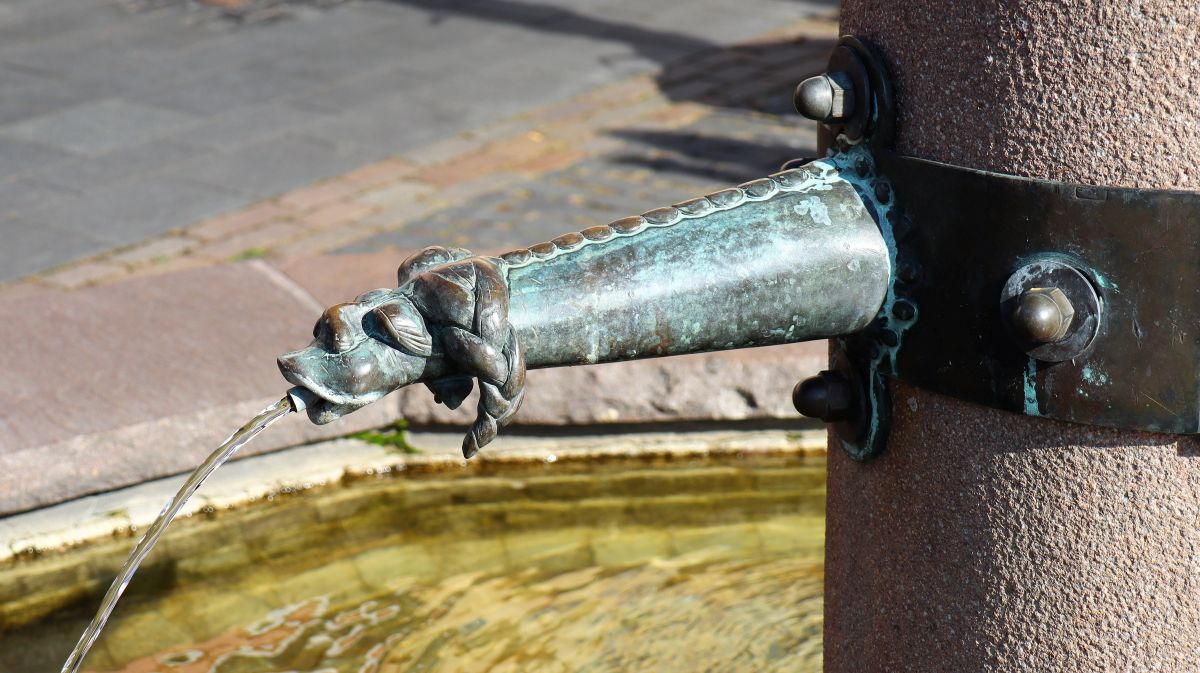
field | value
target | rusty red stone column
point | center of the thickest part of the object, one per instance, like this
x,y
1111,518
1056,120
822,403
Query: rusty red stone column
x,y
983,540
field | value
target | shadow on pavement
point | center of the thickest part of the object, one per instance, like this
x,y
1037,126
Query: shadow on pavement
x,y
681,57
708,156
755,78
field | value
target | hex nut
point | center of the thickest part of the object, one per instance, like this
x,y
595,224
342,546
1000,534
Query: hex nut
x,y
825,98
828,396
1043,315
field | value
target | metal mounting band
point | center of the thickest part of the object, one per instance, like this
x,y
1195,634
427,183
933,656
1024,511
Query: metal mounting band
x,y
1139,249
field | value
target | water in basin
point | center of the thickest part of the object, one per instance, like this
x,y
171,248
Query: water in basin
x,y
705,563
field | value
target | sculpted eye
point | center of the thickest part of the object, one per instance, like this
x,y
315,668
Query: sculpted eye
x,y
401,326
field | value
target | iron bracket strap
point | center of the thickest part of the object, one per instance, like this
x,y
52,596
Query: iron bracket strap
x,y
1130,256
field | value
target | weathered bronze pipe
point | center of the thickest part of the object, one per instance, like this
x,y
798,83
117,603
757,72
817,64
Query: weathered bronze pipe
x,y
793,257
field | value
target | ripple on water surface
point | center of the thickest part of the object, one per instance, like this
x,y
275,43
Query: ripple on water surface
x,y
676,615
716,568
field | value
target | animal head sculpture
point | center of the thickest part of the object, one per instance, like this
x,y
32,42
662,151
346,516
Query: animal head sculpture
x,y
445,323
360,352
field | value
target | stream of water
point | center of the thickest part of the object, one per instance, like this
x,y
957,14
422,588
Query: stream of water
x,y
223,453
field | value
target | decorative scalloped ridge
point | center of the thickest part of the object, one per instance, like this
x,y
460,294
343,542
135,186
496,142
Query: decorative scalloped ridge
x,y
819,175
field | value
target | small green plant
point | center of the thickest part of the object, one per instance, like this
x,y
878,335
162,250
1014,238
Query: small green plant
x,y
394,437
249,253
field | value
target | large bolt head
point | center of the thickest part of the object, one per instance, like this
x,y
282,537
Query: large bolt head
x,y
1051,310
828,396
1043,315
825,98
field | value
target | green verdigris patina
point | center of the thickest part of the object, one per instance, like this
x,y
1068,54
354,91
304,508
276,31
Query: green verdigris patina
x,y
792,257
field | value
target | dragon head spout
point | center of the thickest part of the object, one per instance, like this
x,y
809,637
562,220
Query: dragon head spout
x,y
360,352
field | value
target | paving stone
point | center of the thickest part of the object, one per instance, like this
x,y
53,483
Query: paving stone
x,y
87,174
448,150
381,173
358,90
250,243
99,127
311,244
143,378
184,262
22,195
551,161
397,193
54,20
338,278
398,215
469,189
335,215
154,250
246,125
18,157
32,245
238,221
214,90
319,194
268,168
394,124
86,273
34,99
127,212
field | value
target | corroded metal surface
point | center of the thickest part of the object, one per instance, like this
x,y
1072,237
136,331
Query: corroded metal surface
x,y
1124,257
789,258
793,257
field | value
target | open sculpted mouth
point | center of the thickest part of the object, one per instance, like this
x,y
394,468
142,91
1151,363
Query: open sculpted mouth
x,y
310,368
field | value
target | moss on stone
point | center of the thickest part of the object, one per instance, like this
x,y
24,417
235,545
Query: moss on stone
x,y
394,437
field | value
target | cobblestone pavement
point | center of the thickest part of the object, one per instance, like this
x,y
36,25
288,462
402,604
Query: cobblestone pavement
x,y
121,120
652,168
698,123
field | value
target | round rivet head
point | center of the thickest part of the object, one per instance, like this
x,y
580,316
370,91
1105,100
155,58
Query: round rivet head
x,y
828,396
1043,315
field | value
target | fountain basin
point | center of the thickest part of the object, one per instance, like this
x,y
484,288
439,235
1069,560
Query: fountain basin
x,y
544,555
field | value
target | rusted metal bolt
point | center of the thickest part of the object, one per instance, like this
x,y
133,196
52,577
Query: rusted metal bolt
x,y
1043,315
826,98
828,396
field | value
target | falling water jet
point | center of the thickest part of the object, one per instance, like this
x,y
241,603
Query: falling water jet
x,y
293,401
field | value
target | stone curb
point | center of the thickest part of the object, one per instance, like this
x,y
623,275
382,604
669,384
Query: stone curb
x,y
121,512
348,492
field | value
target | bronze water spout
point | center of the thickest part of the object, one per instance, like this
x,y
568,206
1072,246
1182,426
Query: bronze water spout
x,y
796,256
